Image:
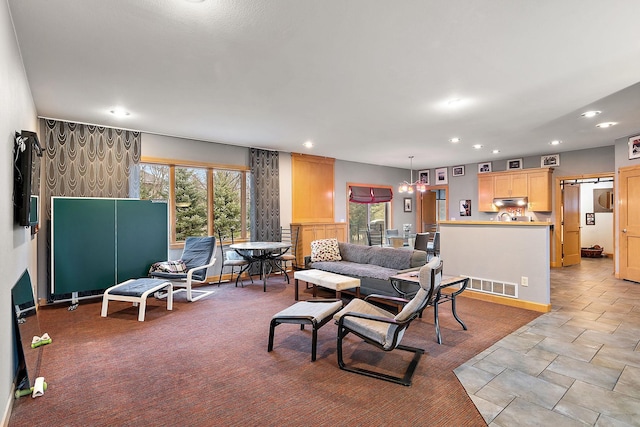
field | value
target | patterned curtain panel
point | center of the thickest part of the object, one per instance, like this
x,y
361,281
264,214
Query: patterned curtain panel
x,y
88,161
265,206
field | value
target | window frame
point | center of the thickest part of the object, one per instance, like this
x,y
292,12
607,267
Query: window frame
x,y
210,168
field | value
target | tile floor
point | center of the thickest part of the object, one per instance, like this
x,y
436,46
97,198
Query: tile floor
x,y
576,365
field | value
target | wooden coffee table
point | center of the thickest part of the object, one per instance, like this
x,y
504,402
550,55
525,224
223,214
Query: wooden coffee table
x,y
327,280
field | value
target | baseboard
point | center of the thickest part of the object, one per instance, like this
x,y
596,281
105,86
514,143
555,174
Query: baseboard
x,y
527,305
6,414
226,277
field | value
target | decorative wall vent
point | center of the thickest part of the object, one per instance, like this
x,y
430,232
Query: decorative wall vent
x,y
506,289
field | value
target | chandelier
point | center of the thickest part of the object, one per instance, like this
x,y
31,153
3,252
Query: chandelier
x,y
408,187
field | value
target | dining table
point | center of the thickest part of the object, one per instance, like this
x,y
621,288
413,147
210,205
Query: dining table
x,y
263,253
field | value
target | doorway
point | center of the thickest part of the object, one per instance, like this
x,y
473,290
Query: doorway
x,y
584,217
433,207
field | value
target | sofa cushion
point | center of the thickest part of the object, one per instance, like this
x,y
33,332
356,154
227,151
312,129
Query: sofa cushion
x,y
325,250
418,258
397,258
355,269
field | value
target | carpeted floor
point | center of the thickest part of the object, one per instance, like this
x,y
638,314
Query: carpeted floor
x,y
206,364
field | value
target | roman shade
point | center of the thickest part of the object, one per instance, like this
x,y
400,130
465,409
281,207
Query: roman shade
x,y
369,194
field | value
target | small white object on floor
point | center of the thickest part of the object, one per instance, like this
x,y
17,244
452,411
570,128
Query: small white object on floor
x,y
38,387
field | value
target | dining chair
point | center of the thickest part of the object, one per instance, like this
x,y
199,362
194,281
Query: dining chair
x,y
288,235
232,259
393,232
421,241
374,237
433,247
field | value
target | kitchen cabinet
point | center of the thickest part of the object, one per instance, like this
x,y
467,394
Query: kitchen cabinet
x,y
539,190
535,184
308,232
485,193
510,185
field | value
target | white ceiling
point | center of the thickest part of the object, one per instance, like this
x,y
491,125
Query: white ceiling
x,y
365,80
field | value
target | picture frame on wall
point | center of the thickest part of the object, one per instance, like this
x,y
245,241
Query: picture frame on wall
x,y
457,171
408,202
514,164
634,147
590,218
441,176
465,207
551,160
484,167
423,176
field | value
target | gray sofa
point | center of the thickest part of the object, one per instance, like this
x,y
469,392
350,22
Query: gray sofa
x,y
373,265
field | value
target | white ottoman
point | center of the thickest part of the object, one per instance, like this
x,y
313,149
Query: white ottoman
x,y
315,313
326,279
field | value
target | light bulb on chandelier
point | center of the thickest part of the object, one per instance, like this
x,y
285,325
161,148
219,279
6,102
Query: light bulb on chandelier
x,y
409,187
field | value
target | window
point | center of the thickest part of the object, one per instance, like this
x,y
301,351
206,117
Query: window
x,y
203,199
373,216
369,209
190,203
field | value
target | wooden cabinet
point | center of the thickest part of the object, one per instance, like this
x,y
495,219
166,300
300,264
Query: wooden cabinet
x,y
535,184
308,232
510,185
485,193
539,190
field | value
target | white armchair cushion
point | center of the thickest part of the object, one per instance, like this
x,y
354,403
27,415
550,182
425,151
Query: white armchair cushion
x,y
380,332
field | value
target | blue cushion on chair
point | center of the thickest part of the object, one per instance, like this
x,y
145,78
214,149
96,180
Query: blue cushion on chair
x,y
198,251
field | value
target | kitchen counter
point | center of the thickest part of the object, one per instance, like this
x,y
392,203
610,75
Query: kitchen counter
x,y
525,223
507,261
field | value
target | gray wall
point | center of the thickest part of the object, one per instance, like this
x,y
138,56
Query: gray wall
x,y
501,253
353,172
17,247
170,147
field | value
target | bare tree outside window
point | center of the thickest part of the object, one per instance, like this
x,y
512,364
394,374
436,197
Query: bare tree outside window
x,y
154,182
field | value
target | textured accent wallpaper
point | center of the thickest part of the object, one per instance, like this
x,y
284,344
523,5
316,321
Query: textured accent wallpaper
x,y
87,161
265,209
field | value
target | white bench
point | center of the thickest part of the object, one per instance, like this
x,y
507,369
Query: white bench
x,y
137,291
326,279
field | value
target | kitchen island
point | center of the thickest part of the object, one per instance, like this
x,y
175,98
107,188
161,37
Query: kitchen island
x,y
507,261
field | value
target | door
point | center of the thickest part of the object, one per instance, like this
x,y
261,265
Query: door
x,y
629,238
429,217
571,225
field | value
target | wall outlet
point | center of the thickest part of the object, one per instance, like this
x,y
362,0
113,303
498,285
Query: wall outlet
x,y
524,281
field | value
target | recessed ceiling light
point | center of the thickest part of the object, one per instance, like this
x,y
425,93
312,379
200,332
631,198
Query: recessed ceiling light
x,y
478,146
606,124
453,102
454,140
590,113
308,144
555,142
120,112
495,151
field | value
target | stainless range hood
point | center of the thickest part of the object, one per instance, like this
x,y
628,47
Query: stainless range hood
x,y
510,202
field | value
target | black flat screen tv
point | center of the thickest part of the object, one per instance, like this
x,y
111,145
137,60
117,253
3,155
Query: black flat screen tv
x,y
25,144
